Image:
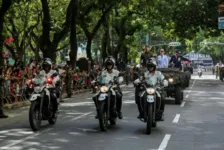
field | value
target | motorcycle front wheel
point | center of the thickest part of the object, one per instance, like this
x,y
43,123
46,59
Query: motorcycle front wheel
x,y
34,120
149,119
102,117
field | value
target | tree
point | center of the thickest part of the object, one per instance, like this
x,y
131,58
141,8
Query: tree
x,y
48,46
87,19
73,38
21,21
5,5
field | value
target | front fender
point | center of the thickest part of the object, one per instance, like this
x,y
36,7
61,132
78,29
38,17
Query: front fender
x,y
34,97
113,92
150,98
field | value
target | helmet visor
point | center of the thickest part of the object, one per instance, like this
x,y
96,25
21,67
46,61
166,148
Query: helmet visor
x,y
109,63
150,65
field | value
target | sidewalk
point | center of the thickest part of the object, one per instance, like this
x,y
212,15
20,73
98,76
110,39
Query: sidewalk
x,y
27,102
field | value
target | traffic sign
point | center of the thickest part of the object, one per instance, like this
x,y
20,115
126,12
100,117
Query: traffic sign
x,y
174,44
221,22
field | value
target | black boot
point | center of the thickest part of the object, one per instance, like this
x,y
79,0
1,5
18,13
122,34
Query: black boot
x,y
118,106
120,116
140,112
2,115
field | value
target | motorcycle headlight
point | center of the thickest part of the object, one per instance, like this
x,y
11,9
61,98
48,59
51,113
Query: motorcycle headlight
x,y
170,80
114,86
104,89
37,89
150,91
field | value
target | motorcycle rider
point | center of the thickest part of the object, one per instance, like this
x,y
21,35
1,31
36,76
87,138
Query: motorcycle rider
x,y
49,72
108,74
153,76
199,70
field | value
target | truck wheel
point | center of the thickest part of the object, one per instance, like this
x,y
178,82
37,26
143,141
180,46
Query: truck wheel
x,y
178,97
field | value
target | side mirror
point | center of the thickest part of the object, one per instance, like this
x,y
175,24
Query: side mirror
x,y
93,82
115,78
165,83
54,75
141,78
137,81
120,80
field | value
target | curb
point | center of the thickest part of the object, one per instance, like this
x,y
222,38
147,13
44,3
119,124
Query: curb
x,y
27,102
16,105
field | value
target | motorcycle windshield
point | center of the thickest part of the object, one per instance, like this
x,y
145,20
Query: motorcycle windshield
x,y
151,82
106,80
38,81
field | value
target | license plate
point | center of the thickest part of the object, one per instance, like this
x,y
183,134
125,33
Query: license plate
x,y
150,98
102,97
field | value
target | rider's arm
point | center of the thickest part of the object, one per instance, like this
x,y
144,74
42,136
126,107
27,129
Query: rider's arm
x,y
160,77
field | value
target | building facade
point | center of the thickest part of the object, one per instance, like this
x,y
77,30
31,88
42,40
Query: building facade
x,y
199,59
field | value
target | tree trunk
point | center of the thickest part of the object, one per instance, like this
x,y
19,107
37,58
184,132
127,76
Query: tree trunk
x,y
125,58
73,38
45,37
4,8
50,52
105,41
88,48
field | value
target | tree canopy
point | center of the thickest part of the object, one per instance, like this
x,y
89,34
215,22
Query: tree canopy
x,y
117,27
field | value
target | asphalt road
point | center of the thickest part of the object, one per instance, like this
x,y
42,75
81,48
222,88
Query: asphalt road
x,y
196,124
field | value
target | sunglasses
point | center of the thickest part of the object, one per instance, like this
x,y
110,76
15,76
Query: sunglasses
x,y
109,64
161,51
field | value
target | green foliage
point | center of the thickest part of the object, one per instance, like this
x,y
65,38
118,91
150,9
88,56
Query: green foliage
x,y
187,21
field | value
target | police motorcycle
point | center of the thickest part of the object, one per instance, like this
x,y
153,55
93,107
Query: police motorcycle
x,y
105,101
41,101
150,101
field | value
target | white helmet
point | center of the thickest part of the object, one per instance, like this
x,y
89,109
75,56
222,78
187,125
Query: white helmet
x,y
47,63
151,63
110,59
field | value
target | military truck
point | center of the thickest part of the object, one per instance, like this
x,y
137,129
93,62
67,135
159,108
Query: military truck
x,y
178,81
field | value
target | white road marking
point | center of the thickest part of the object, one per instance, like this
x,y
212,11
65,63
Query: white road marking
x,y
129,102
124,92
81,116
187,96
176,119
24,139
165,141
90,98
132,95
182,105
86,130
76,104
193,82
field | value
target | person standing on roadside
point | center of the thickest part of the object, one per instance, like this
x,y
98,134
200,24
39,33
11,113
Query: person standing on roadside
x,y
68,78
163,61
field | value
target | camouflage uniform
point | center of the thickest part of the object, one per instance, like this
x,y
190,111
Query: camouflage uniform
x,y
144,57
